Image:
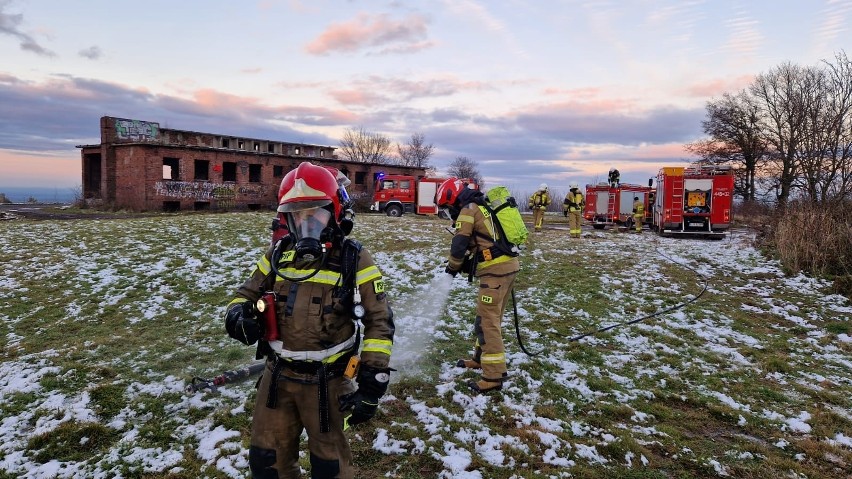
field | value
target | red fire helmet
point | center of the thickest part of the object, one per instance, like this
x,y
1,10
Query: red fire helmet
x,y
308,186
449,191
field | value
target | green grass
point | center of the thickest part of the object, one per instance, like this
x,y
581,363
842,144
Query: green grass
x,y
126,311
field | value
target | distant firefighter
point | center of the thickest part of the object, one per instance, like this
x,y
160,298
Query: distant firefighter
x,y
638,213
538,203
572,207
614,178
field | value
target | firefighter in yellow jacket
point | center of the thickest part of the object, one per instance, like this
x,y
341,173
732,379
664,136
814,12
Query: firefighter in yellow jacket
x,y
496,270
572,207
301,304
538,203
638,213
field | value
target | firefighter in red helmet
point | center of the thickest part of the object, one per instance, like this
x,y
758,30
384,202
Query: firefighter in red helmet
x,y
496,270
279,223
302,304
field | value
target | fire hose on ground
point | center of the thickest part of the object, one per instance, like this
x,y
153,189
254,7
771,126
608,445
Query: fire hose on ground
x,y
616,325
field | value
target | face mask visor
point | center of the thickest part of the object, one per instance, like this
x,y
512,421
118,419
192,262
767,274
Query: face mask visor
x,y
308,223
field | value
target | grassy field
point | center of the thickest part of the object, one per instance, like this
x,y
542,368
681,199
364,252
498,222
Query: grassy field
x,y
105,321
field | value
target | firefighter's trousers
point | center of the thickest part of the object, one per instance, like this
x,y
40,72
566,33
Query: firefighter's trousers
x,y
494,294
275,433
637,220
538,217
575,221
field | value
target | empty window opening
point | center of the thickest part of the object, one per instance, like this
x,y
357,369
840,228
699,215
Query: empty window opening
x,y
202,170
277,171
296,150
254,173
201,205
360,177
322,152
270,148
241,145
226,143
256,146
253,206
171,206
171,168
229,171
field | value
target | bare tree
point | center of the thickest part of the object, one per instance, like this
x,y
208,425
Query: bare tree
x,y
735,137
361,146
780,96
415,152
827,152
464,167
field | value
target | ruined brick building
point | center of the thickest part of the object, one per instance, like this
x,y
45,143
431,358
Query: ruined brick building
x,y
141,167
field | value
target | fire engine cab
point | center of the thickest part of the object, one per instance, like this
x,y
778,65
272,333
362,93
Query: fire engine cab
x,y
607,206
694,201
398,194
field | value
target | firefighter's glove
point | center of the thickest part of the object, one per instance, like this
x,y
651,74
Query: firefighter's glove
x,y
241,325
372,384
451,272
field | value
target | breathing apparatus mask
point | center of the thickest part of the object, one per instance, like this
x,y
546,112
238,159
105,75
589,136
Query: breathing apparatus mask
x,y
311,232
452,212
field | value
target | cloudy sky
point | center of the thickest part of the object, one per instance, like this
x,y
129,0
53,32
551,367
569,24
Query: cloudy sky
x,y
532,90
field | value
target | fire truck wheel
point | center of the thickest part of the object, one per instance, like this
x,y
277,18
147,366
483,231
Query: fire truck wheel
x,y
598,227
395,211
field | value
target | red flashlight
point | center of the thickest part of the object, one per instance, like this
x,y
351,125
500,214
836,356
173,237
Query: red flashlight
x,y
266,306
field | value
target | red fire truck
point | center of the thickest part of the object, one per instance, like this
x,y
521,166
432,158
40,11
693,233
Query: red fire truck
x,y
398,194
607,206
694,201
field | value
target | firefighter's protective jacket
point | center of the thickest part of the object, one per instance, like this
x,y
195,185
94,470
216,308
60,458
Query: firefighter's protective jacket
x,y
614,176
574,201
475,233
539,199
312,318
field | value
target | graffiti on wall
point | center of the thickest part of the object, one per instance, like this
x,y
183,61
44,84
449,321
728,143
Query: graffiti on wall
x,y
136,130
186,189
224,195
253,191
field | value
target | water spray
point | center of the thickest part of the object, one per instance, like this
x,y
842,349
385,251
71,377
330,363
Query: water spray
x,y
416,318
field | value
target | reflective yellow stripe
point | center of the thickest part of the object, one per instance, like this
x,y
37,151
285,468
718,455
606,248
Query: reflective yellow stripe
x,y
337,356
236,301
383,346
323,276
499,260
367,274
264,266
465,219
495,358
488,224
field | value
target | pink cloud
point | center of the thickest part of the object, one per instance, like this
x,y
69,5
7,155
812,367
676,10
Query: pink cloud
x,y
357,97
369,31
222,104
718,86
377,90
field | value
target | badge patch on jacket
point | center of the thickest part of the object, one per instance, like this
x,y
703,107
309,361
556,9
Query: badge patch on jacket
x,y
487,299
378,286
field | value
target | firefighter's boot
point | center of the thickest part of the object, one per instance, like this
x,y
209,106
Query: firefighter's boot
x,y
484,387
469,364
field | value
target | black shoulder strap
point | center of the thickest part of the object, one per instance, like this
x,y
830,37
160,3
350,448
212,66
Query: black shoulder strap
x,y
349,263
501,243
